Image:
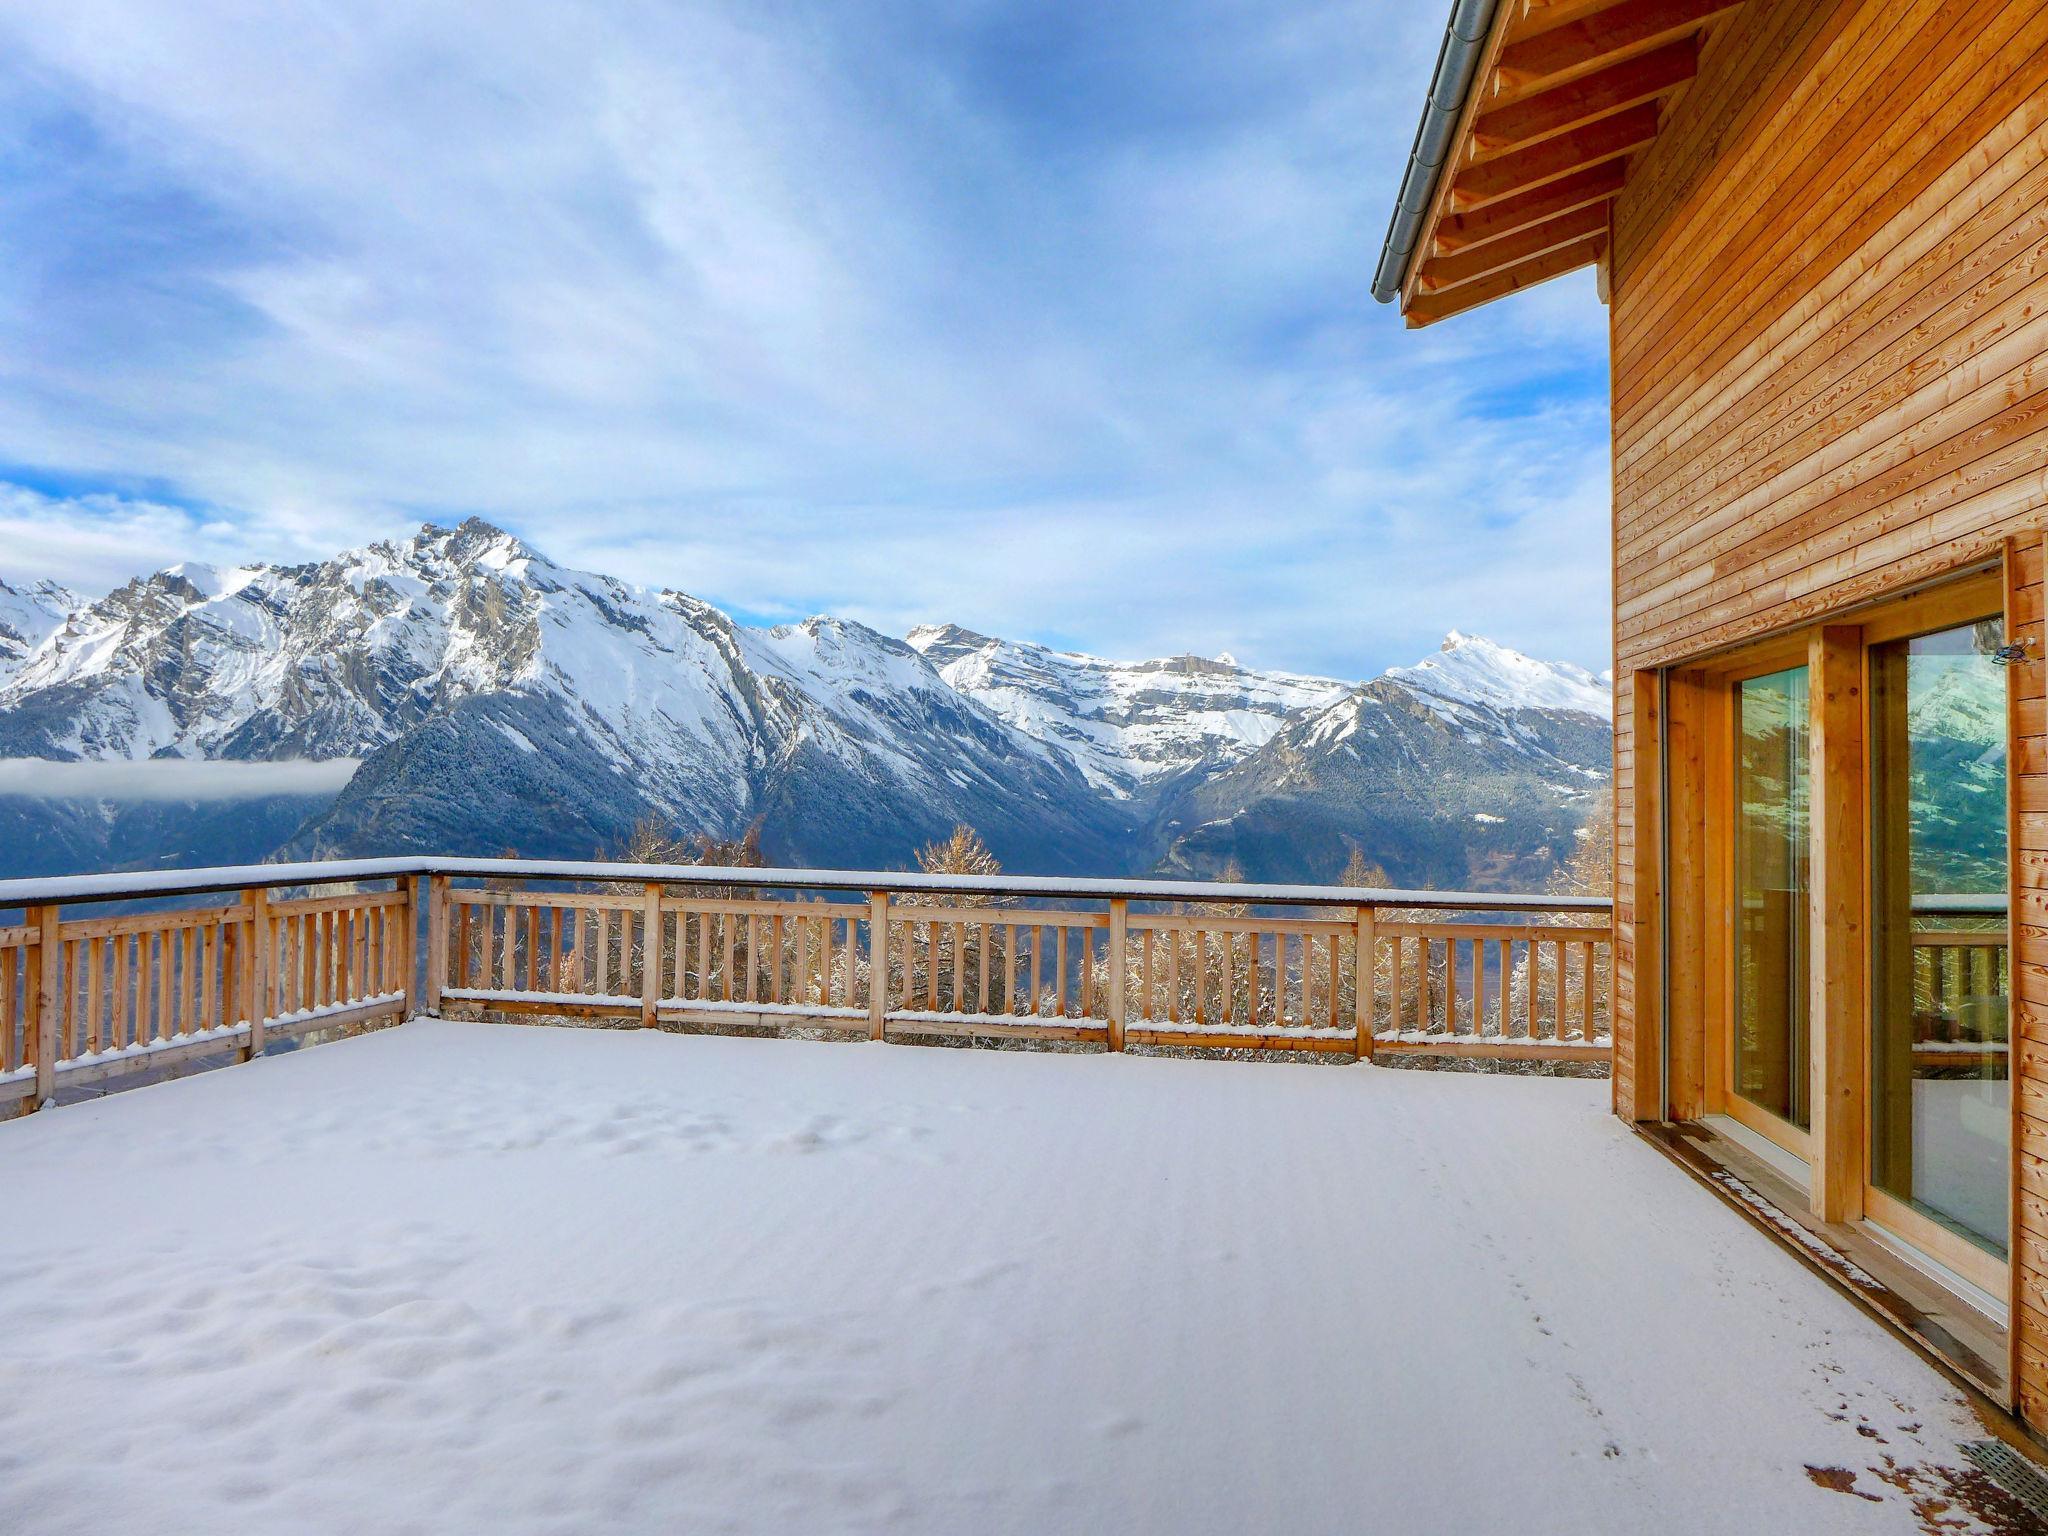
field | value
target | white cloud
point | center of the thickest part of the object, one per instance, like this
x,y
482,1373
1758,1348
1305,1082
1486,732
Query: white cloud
x,y
1053,324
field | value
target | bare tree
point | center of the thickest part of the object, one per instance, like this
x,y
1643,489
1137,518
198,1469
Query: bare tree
x,y
958,952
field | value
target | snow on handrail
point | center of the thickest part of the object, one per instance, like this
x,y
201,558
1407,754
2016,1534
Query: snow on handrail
x,y
64,889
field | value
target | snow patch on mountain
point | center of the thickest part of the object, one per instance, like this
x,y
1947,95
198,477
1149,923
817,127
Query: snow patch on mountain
x,y
29,615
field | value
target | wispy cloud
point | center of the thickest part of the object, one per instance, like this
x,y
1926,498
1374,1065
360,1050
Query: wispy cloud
x,y
1048,319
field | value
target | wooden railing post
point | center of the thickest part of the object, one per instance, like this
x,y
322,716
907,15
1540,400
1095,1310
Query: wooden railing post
x,y
1119,929
262,948
408,946
650,954
1365,960
878,965
43,1020
437,941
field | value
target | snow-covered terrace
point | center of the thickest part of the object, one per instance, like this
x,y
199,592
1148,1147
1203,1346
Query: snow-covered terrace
x,y
469,1277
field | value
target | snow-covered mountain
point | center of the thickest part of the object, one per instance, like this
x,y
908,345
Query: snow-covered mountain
x,y
1127,724
499,700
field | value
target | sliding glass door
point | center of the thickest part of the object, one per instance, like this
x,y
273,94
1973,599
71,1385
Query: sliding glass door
x,y
1940,1095
1768,1051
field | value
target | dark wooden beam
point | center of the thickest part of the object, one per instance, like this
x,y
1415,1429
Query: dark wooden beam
x,y
1554,159
1619,32
1446,272
1587,99
1427,309
1462,231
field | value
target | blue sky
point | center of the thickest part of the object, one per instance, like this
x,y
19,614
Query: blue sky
x,y
1048,319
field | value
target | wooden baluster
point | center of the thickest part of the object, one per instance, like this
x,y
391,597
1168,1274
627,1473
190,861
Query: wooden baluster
x,y
209,957
488,953
1471,996
981,963
725,937
95,1038
878,965
1056,982
1532,991
1172,975
10,1054
1145,976
1331,943
1397,991
166,983
1086,936
463,913
338,982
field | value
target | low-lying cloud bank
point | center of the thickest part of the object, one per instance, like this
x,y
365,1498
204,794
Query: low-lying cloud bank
x,y
171,779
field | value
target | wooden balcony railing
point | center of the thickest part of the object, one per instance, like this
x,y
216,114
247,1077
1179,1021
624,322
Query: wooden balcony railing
x,y
84,995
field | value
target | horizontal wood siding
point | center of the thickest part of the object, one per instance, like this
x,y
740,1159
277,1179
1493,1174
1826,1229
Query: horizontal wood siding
x,y
1829,289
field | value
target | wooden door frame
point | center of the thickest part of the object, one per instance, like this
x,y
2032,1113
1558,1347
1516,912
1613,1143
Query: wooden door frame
x,y
1720,687
1836,653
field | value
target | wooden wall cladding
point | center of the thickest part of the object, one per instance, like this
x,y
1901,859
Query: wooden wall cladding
x,y
1829,290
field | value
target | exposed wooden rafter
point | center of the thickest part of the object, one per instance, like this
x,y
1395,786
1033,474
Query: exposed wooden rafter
x,y
1434,306
1499,255
1544,59
1595,184
1587,99
1566,94
1554,159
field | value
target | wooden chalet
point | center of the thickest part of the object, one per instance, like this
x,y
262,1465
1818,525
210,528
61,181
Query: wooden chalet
x,y
1821,230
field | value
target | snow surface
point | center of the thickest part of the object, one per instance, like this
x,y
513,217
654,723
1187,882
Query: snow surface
x,y
475,1278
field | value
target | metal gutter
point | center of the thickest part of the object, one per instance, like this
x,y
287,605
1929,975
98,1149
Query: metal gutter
x,y
1456,63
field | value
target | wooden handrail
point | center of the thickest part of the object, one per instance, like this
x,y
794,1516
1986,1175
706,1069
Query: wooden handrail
x,y
71,890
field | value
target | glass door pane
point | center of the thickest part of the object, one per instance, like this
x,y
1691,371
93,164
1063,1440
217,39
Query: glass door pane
x,y
1768,1065
1940,1098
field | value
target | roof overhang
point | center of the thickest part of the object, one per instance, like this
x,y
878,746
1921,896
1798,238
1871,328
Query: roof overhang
x,y
1535,114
